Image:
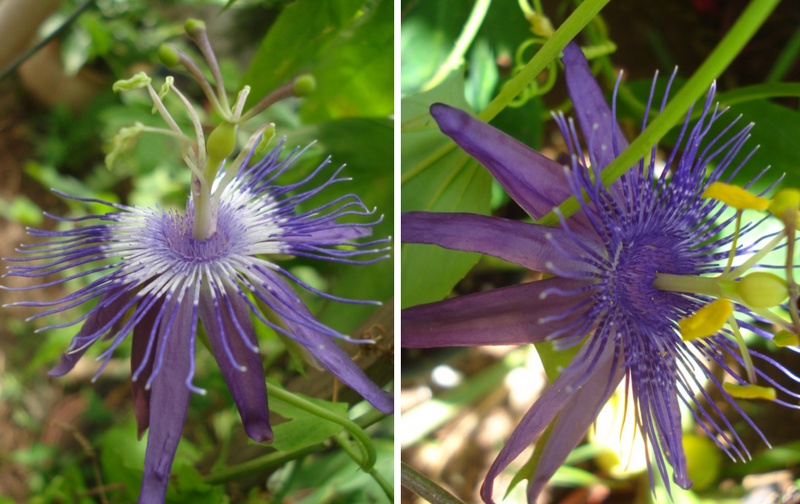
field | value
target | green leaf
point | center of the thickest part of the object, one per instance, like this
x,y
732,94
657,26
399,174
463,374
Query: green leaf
x,y
335,478
187,485
21,209
303,429
429,31
122,457
294,41
437,176
776,132
355,72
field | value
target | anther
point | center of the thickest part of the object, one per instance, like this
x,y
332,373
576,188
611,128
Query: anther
x,y
707,321
785,339
735,197
749,391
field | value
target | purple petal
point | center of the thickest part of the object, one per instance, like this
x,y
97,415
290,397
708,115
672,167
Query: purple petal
x,y
535,182
508,316
142,334
99,317
576,416
525,244
575,397
248,388
600,129
326,351
169,403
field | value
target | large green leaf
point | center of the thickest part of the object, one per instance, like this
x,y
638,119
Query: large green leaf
x,y
355,72
437,176
295,40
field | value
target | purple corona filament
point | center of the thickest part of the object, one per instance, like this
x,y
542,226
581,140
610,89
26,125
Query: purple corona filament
x,y
603,262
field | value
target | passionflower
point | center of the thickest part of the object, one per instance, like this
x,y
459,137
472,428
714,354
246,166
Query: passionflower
x,y
645,277
158,274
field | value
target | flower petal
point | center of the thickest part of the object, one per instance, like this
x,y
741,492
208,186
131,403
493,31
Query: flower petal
x,y
575,397
169,403
535,182
525,244
325,350
142,334
508,316
227,322
576,416
100,315
599,127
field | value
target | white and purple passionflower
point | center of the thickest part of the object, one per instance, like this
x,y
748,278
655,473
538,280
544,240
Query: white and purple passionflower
x,y
157,282
158,274
631,277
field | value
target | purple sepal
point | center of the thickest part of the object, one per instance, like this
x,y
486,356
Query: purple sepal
x,y
599,128
575,397
169,404
326,351
535,182
140,341
101,315
226,326
508,316
528,245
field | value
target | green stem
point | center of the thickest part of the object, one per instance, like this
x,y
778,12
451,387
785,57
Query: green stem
x,y
731,44
368,455
344,442
259,464
424,487
786,59
463,42
549,52
276,459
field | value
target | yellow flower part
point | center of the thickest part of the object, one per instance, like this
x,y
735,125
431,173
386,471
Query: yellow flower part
x,y
735,197
749,391
707,321
785,339
762,289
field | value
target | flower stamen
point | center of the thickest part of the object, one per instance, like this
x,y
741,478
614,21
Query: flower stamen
x,y
749,391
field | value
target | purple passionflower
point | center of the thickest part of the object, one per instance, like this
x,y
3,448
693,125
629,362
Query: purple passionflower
x,y
602,263
156,281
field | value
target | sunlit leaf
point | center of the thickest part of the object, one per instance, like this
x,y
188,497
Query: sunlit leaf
x,y
295,39
437,176
303,429
355,72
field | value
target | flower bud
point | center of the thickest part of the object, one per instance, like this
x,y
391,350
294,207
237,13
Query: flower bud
x,y
304,85
194,27
762,290
168,55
